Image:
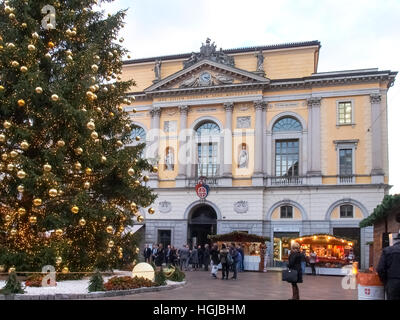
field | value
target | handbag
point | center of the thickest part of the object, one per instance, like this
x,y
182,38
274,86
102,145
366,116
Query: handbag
x,y
290,275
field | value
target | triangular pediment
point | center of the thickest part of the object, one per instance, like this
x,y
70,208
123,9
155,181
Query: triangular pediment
x,y
207,74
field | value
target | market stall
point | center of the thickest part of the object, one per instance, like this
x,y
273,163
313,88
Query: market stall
x,y
254,247
334,255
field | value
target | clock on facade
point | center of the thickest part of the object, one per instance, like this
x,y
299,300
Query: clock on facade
x,y
205,78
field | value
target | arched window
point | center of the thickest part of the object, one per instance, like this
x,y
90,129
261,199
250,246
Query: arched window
x,y
207,149
138,132
287,124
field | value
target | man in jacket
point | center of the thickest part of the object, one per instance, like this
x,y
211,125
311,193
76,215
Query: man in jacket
x,y
184,257
147,253
389,269
241,259
206,257
168,255
235,257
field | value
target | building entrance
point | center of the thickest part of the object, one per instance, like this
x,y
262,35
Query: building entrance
x,y
202,222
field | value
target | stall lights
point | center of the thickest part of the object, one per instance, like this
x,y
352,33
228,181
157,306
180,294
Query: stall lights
x,y
315,237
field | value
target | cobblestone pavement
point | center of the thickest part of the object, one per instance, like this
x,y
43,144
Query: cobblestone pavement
x,y
250,286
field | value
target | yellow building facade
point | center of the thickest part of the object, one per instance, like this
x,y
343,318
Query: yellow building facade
x,y
285,150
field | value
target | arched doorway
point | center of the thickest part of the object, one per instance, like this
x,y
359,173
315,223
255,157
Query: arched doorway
x,y
201,223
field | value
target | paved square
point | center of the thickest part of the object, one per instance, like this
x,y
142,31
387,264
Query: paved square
x,y
250,286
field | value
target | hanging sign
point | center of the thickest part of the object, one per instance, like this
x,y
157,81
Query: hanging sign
x,y
202,189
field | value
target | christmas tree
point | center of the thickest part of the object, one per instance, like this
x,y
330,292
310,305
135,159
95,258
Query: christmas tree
x,y
68,185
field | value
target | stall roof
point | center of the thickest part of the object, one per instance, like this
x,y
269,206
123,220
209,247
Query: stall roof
x,y
237,236
390,203
323,238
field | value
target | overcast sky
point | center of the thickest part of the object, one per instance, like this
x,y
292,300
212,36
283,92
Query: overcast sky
x,y
354,34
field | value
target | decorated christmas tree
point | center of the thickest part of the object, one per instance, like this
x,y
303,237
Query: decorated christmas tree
x,y
69,186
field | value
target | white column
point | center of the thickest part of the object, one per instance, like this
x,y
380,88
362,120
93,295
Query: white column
x,y
183,110
227,169
376,139
314,132
155,113
257,179
265,150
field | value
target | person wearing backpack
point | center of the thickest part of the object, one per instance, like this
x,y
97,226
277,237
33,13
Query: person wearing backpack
x,y
235,259
223,256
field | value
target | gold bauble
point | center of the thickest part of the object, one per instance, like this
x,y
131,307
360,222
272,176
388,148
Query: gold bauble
x,y
105,89
15,64
110,244
58,260
78,151
110,229
21,103
86,185
131,171
111,114
88,171
13,154
4,156
53,193
134,206
39,90
70,59
98,109
32,219
151,211
48,55
50,44
77,166
7,124
108,250
21,174
65,270
8,218
24,69
94,135
24,25
103,159
74,209
11,16
35,35
146,178
60,143
2,137
119,143
59,232
54,97
2,88
93,89
140,219
137,183
155,169
137,250
90,125
21,211
95,68
37,202
24,145
137,138
10,167
82,222
31,47
104,219
47,167
13,232
21,188
12,269
120,255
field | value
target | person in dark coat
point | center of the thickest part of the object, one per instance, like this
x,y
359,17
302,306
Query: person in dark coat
x,y
389,269
194,257
147,253
160,256
206,257
295,259
214,253
223,256
200,253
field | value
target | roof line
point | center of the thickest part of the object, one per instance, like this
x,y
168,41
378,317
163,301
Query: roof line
x,y
230,51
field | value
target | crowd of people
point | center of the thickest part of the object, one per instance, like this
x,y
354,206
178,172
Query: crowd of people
x,y
228,258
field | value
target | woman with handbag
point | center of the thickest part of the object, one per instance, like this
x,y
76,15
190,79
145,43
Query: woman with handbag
x,y
295,259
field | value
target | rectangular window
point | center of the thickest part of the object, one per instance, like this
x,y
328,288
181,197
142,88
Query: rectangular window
x,y
346,162
287,158
286,212
345,113
207,156
164,237
346,211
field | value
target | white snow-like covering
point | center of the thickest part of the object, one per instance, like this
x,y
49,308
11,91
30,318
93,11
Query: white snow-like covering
x,y
69,286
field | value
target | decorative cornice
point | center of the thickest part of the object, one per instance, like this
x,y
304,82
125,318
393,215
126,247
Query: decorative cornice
x,y
228,106
353,142
260,105
375,98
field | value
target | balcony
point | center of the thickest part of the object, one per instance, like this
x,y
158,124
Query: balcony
x,y
209,171
286,181
346,179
